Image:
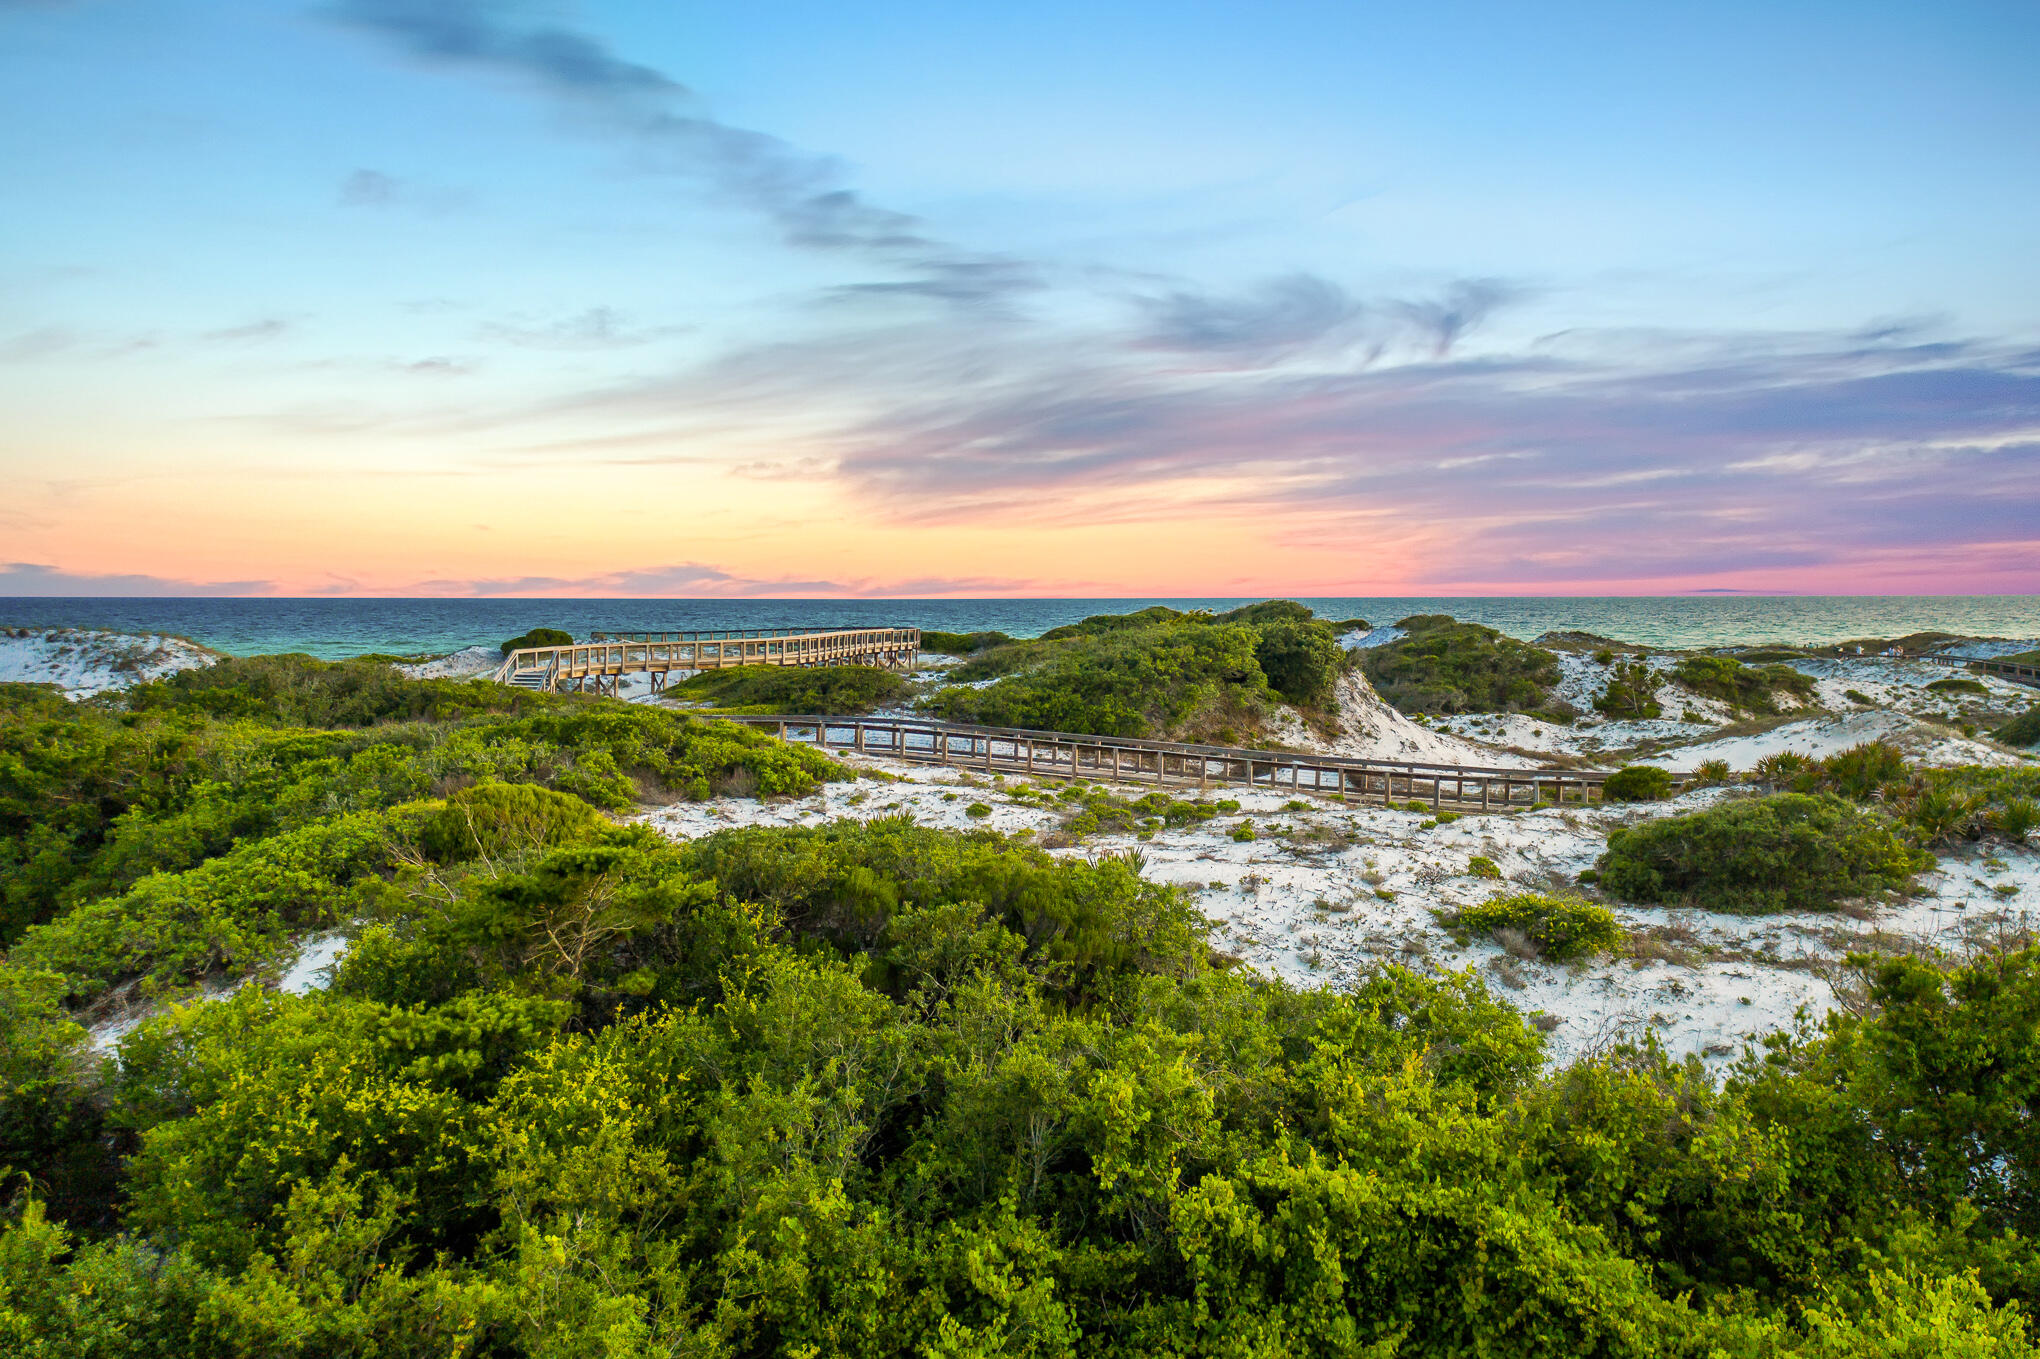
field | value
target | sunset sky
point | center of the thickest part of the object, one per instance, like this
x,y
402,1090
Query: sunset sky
x,y
669,298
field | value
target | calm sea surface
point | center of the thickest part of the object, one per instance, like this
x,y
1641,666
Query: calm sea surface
x,y
345,627
349,627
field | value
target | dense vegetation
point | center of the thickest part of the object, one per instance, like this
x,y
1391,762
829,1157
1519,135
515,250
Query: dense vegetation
x,y
1631,692
884,1090
1559,928
961,643
1938,806
1441,665
823,689
1159,672
539,637
2023,730
1745,687
198,821
1784,852
1637,783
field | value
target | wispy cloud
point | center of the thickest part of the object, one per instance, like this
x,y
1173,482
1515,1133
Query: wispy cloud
x,y
267,328
595,328
375,189
801,192
698,580
39,580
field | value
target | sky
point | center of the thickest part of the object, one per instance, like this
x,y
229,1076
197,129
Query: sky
x,y
625,297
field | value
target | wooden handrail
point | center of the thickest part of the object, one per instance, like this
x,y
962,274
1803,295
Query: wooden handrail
x,y
577,662
978,741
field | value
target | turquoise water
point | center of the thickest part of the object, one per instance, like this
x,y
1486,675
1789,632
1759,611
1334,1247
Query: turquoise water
x,y
346,627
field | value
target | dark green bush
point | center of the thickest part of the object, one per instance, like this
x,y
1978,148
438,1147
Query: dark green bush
x,y
1958,685
2023,730
961,643
1300,657
1158,672
1638,783
827,690
1185,678
1752,689
1787,851
1631,692
1562,928
1442,665
539,637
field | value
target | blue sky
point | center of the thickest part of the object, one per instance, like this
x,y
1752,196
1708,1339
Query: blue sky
x,y
388,295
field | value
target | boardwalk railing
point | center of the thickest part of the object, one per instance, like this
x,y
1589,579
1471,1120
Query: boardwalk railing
x,y
2018,672
1065,755
600,663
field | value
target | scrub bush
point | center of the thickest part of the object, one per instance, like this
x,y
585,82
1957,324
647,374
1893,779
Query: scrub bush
x,y
1750,688
824,690
1631,692
1442,665
539,637
1638,783
1784,852
1562,928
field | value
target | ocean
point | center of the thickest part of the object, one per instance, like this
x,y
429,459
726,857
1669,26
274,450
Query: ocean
x,y
347,627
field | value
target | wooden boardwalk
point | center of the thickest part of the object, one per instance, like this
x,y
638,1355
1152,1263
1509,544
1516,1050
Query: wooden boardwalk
x,y
597,665
2018,672
1117,759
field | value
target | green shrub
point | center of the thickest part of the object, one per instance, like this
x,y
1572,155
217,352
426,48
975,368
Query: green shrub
x,y
1243,832
1442,665
824,690
1787,851
1713,772
1857,696
492,819
2016,819
1562,928
961,643
539,637
1638,783
1958,685
977,811
1481,866
1158,672
1183,678
875,1089
1301,658
1752,689
2023,730
1631,692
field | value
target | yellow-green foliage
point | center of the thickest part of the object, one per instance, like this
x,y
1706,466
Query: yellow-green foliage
x,y
878,1090
1562,928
